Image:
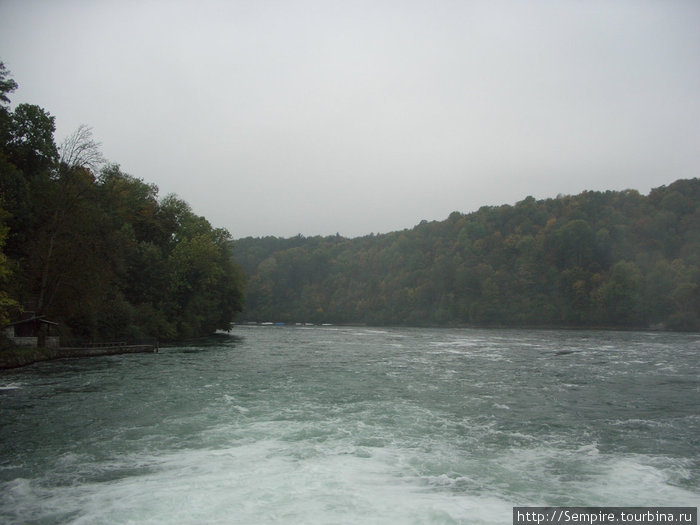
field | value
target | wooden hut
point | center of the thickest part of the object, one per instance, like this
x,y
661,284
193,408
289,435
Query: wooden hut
x,y
33,331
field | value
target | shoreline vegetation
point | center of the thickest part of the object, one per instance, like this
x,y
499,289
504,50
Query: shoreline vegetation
x,y
96,251
614,259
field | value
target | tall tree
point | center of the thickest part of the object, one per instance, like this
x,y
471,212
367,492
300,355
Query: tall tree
x,y
7,303
100,253
7,85
81,150
31,145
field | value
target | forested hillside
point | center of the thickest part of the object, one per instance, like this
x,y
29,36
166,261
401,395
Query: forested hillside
x,y
598,259
95,249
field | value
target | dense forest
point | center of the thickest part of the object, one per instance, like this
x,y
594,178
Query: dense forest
x,y
95,249
598,259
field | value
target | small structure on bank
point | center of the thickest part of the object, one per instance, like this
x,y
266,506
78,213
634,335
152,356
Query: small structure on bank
x,y
33,331
41,342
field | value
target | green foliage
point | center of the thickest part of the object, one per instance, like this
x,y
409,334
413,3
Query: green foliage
x,y
7,85
7,303
598,259
31,146
99,252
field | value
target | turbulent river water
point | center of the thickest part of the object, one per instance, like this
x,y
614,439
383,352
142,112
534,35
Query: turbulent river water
x,y
353,425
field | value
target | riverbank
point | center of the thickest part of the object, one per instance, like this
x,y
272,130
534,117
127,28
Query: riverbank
x,y
15,357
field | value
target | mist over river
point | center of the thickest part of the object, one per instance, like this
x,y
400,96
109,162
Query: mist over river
x,y
350,425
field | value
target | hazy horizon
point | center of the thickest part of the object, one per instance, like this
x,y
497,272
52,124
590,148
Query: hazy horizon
x,y
464,212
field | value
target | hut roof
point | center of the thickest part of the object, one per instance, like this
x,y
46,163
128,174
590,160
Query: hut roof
x,y
33,319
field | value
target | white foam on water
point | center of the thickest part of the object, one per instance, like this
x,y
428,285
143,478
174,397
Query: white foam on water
x,y
316,482
11,386
591,450
371,332
352,430
633,481
258,483
553,476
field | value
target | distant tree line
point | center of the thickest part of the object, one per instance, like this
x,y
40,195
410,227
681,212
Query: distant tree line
x,y
95,249
598,259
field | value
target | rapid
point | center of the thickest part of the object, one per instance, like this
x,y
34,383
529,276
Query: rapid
x,y
346,425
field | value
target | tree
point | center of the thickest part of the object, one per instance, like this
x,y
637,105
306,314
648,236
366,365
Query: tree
x,y
206,286
573,244
7,303
7,85
80,150
128,199
622,295
582,260
67,234
31,145
101,254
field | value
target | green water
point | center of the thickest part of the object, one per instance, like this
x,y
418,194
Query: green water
x,y
353,425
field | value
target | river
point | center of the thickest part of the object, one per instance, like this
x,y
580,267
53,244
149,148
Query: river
x,y
347,425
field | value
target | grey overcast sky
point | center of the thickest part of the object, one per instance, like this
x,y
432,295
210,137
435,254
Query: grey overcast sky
x,y
276,117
